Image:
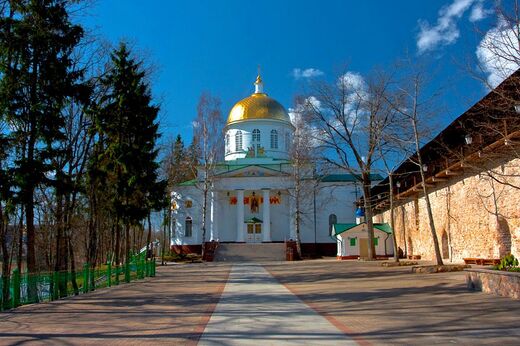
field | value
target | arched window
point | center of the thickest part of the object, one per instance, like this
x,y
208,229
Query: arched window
x,y
188,227
287,141
256,136
274,139
238,140
227,143
332,220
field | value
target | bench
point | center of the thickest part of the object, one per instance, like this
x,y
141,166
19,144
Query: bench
x,y
481,261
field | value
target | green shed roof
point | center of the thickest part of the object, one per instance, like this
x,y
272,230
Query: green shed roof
x,y
344,227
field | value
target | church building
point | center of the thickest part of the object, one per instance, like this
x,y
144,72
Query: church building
x,y
252,193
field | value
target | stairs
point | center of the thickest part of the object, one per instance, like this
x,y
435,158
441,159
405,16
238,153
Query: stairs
x,y
247,252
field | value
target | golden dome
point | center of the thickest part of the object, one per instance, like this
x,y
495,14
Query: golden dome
x,y
258,106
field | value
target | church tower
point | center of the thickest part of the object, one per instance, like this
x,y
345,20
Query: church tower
x,y
258,127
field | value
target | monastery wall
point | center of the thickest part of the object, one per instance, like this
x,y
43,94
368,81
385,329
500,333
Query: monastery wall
x,y
474,215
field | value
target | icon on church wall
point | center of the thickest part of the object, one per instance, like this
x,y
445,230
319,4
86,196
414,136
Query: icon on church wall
x,y
254,203
233,200
261,152
250,152
188,203
274,200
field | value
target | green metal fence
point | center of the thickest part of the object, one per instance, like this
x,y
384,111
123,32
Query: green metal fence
x,y
20,289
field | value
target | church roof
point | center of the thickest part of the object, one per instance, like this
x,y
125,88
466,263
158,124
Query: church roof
x,y
346,177
191,182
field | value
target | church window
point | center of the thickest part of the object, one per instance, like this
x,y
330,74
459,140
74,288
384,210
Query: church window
x,y
274,139
256,135
227,143
238,140
287,141
188,227
332,220
352,241
174,227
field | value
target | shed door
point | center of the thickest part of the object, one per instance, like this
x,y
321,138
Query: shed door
x,y
363,247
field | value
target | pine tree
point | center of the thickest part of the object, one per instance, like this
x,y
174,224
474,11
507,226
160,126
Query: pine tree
x,y
36,43
127,122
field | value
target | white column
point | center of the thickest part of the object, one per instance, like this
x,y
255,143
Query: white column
x,y
214,216
240,216
292,217
266,215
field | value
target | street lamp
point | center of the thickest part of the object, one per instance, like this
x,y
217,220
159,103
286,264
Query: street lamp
x,y
517,108
425,168
468,139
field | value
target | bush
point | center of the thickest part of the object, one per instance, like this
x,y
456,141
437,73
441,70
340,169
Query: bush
x,y
508,263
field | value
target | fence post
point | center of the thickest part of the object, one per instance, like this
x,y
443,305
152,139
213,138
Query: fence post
x,y
109,274
55,285
85,277
16,287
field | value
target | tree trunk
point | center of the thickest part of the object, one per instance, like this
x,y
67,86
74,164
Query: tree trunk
x,y
204,220
32,288
72,267
19,257
6,273
433,231
392,216
149,238
62,252
368,215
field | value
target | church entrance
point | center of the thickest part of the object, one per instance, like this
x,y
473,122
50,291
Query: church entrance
x,y
254,230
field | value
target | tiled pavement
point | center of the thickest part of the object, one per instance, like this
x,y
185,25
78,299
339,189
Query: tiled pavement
x,y
367,303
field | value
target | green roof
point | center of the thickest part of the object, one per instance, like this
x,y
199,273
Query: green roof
x,y
191,182
346,177
344,227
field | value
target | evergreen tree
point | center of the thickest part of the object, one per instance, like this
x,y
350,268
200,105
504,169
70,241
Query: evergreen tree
x,y
36,43
127,122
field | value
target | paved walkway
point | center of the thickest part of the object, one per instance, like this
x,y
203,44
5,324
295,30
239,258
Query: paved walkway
x,y
170,309
255,309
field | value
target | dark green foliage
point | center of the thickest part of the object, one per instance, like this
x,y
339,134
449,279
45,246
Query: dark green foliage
x,y
37,40
508,263
126,122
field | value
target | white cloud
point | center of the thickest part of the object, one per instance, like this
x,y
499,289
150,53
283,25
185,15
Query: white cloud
x,y
445,31
352,80
478,12
498,53
303,128
306,73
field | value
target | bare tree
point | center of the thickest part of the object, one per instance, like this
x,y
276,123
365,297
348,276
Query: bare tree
x,y
303,153
414,104
349,115
207,129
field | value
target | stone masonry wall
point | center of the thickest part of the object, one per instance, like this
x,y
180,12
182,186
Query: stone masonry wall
x,y
475,216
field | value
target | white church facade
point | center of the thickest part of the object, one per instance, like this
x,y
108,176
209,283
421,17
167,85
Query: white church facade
x,y
252,194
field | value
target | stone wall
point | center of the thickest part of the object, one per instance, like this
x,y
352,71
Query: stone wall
x,y
500,283
474,215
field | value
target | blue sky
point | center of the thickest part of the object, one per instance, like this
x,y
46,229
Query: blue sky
x,y
216,46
